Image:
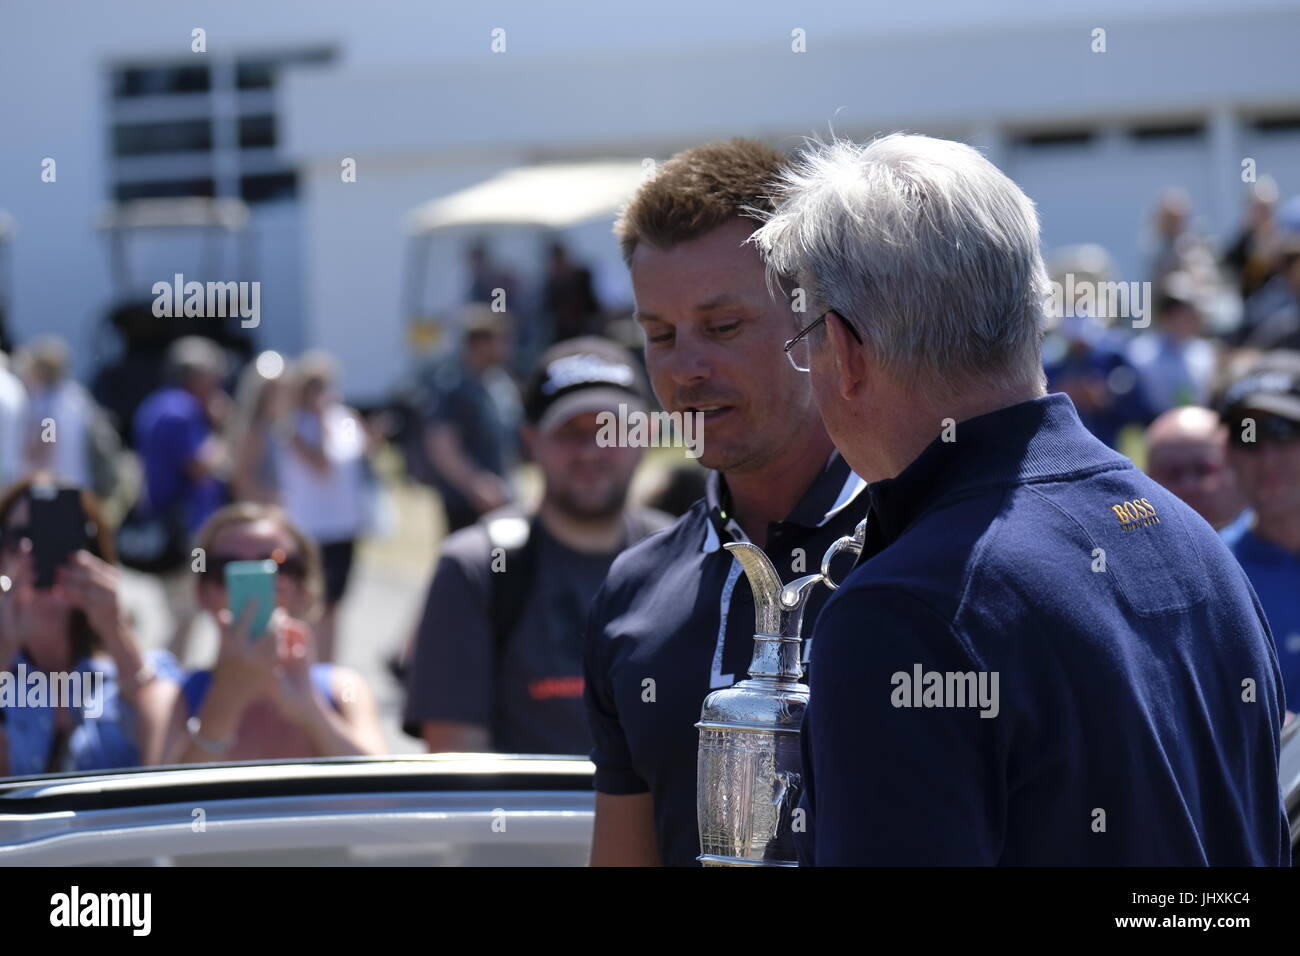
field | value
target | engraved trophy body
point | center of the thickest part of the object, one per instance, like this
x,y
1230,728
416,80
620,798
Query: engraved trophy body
x,y
749,768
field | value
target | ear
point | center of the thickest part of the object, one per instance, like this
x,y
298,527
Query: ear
x,y
848,358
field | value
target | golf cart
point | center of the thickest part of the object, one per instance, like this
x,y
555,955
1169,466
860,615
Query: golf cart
x,y
202,227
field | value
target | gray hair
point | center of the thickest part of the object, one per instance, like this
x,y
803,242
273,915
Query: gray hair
x,y
192,355
926,248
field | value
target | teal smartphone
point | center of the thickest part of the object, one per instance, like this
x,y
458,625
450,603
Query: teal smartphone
x,y
251,581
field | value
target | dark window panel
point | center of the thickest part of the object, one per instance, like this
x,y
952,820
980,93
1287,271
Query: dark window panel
x,y
1168,131
141,139
268,187
1065,137
1277,124
312,57
256,131
169,188
161,81
255,75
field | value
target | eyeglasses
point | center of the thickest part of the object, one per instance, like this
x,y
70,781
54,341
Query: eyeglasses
x,y
1269,429
291,566
797,351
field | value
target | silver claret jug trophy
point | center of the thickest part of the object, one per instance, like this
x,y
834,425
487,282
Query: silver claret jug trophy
x,y
749,772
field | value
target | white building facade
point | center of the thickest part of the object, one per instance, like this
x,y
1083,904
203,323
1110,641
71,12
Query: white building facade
x,y
428,98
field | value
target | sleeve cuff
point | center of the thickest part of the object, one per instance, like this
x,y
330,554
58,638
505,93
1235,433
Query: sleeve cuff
x,y
414,718
619,782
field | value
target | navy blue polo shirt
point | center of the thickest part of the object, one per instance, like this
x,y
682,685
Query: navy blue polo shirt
x,y
1042,657
673,622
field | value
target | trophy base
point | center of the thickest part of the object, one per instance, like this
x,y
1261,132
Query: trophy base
x,y
714,859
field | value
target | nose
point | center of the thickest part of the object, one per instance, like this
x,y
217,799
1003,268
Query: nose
x,y
588,451
688,364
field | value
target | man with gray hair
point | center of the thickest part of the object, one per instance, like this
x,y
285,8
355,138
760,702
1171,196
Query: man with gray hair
x,y
1042,657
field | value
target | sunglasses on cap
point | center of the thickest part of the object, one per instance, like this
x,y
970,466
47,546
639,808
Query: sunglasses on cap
x,y
1268,429
291,565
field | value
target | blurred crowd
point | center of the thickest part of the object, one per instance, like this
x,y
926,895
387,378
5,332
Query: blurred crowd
x,y
222,464
279,471
1123,369
268,462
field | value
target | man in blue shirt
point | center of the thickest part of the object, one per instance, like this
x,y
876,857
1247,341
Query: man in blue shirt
x,y
1042,656
1262,411
181,453
174,434
674,620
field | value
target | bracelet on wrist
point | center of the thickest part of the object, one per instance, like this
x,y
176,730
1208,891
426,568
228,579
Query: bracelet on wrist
x,y
206,744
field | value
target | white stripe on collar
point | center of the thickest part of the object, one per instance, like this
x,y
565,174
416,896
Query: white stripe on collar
x,y
853,486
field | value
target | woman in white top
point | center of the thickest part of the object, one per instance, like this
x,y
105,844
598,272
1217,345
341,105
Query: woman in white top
x,y
323,477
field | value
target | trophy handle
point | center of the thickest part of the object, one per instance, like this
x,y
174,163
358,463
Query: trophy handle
x,y
853,543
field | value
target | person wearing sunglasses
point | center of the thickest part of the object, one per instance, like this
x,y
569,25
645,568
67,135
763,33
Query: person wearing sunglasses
x,y
70,628
1039,657
1262,410
266,697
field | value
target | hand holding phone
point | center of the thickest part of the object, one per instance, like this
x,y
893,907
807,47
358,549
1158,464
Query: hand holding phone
x,y
57,529
251,582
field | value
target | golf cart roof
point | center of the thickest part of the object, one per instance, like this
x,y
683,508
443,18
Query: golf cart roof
x,y
555,196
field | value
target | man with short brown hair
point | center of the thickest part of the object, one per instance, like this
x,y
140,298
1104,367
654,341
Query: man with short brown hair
x,y
673,620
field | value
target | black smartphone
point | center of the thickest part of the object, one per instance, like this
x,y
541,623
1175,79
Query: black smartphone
x,y
57,529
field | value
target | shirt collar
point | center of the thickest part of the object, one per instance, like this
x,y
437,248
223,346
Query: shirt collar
x,y
834,489
1032,441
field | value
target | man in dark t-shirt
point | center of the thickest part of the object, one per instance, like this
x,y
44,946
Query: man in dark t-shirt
x,y
498,656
